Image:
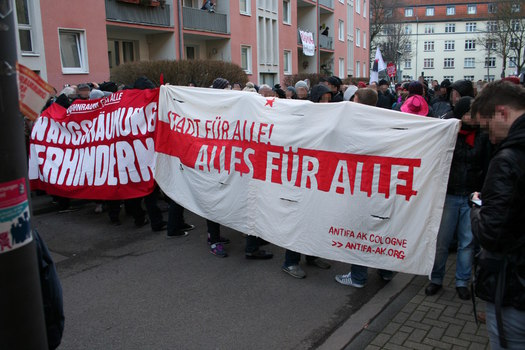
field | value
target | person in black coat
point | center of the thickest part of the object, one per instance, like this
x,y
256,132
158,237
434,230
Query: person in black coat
x,y
498,222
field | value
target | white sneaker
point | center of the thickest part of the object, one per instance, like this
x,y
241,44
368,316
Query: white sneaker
x,y
347,280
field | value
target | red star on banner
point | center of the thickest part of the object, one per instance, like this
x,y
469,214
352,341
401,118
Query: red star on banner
x,y
269,102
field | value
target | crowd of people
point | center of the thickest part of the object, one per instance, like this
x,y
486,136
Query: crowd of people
x,y
488,112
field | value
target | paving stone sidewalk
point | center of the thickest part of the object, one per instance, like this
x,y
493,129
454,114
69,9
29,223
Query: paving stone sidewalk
x,y
413,320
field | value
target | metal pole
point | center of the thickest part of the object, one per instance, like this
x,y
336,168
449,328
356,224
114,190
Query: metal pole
x,y
22,323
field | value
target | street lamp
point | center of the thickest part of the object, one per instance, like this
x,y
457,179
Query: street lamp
x,y
399,54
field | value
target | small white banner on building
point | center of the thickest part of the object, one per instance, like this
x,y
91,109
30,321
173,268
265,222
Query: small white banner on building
x,y
307,39
342,181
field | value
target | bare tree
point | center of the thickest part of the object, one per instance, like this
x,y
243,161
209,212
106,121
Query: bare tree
x,y
381,13
504,34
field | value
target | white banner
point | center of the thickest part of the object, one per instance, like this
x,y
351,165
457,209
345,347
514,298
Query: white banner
x,y
342,181
307,39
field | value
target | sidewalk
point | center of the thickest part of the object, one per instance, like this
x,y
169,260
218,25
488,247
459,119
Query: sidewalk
x,y
412,320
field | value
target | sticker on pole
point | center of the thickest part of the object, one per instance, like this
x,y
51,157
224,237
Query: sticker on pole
x,y
15,228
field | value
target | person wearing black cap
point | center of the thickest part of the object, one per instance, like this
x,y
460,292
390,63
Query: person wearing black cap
x,y
467,173
334,84
384,97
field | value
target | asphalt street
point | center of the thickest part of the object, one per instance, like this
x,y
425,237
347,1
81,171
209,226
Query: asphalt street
x,y
131,288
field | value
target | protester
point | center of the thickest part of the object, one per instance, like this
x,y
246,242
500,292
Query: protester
x,y
237,86
320,93
467,172
358,275
301,89
278,91
266,91
415,103
441,102
350,93
385,98
459,89
83,91
334,84
249,87
290,93
498,223
366,96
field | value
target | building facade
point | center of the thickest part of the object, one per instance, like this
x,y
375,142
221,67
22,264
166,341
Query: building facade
x,y
75,41
446,40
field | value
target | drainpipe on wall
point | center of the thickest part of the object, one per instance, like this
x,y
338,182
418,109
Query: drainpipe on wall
x,y
181,34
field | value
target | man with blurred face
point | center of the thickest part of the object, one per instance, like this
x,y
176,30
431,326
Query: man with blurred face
x,y
497,221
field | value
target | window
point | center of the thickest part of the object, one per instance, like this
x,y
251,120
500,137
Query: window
x,y
470,45
364,69
287,12
514,43
364,15
493,8
450,28
73,53
429,29
408,46
341,30
408,77
408,63
450,45
491,44
449,77
488,78
490,62
357,69
430,11
471,27
358,6
428,46
515,24
471,9
515,8
470,62
492,26
468,77
451,10
246,59
287,62
428,63
512,62
448,63
245,7
25,32
429,78
342,68
357,37
409,12
408,29
364,40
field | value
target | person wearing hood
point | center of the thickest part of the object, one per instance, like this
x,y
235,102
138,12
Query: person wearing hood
x,y
320,94
498,222
290,93
467,173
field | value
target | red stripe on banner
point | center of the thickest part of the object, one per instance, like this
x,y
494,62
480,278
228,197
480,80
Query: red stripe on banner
x,y
314,169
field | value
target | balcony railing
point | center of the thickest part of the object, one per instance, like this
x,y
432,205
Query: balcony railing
x,y
138,14
327,3
198,19
326,42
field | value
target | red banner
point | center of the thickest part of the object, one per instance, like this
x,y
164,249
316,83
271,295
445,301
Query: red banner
x,y
96,149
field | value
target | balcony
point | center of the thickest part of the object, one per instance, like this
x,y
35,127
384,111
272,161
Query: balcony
x,y
327,3
326,42
138,14
197,19
299,37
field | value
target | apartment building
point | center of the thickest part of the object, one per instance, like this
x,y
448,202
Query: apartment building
x,y
447,40
78,41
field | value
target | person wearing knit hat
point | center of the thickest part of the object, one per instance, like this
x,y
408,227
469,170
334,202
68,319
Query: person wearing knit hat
x,y
461,88
361,85
320,93
441,102
384,98
301,88
220,83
